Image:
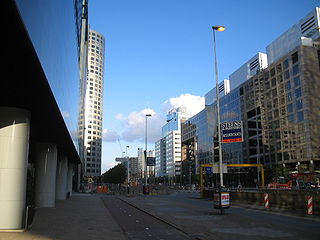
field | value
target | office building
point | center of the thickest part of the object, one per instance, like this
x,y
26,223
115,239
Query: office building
x,y
142,164
174,119
168,148
307,27
132,164
248,69
38,105
277,103
90,115
224,88
160,155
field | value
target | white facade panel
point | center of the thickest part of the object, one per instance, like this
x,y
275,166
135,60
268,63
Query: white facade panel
x,y
307,27
249,69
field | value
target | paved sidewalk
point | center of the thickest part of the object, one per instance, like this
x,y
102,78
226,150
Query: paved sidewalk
x,y
82,217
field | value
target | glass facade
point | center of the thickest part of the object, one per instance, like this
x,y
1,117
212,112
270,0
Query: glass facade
x,y
197,138
230,110
279,109
52,28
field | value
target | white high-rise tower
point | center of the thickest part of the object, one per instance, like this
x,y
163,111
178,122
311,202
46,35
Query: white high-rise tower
x,y
90,119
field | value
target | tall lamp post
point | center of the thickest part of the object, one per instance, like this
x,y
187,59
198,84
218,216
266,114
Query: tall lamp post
x,y
146,151
128,174
220,29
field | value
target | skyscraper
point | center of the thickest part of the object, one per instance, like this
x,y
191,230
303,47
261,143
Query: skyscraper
x,y
90,115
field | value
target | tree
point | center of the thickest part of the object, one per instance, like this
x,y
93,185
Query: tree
x,y
116,174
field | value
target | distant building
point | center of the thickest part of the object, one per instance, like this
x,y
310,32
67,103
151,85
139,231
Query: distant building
x,y
174,119
133,166
161,158
168,148
142,164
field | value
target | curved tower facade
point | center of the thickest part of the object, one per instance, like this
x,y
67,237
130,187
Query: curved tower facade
x,y
91,114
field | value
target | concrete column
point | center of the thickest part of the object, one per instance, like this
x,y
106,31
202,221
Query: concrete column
x,y
14,147
46,169
70,179
61,183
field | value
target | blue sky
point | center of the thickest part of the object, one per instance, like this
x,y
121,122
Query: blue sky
x,y
158,50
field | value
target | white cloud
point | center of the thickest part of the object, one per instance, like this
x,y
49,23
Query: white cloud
x,y
65,114
192,103
109,135
135,125
106,166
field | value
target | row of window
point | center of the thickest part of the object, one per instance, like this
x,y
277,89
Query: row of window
x,y
93,170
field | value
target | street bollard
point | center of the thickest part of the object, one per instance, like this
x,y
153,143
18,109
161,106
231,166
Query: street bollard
x,y
266,200
221,199
310,206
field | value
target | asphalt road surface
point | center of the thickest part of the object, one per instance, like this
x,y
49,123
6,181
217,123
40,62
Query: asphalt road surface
x,y
199,220
139,225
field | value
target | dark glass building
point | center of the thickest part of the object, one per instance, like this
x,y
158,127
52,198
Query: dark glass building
x,y
38,105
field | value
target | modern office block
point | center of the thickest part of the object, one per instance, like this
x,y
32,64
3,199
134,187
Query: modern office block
x,y
41,52
248,69
224,88
307,27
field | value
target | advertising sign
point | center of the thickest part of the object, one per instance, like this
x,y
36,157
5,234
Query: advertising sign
x,y
225,200
231,132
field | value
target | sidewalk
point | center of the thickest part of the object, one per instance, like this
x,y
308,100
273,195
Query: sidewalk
x,y
82,217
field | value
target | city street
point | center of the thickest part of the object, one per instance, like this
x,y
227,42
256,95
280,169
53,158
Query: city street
x,y
199,220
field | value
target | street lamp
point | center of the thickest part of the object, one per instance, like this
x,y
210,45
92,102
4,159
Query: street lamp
x,y
220,29
145,155
127,165
128,178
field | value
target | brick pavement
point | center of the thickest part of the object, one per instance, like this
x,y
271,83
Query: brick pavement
x,y
82,217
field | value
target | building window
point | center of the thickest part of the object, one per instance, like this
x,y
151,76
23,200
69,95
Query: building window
x,y
298,93
299,104
291,118
296,81
272,72
295,70
300,116
288,85
286,74
285,64
294,57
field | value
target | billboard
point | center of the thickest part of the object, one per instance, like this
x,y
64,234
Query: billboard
x,y
231,131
